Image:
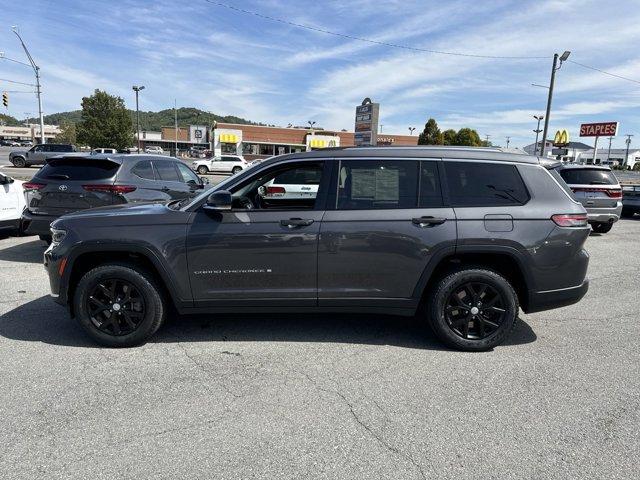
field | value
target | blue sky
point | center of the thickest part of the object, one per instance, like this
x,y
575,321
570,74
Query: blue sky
x,y
231,63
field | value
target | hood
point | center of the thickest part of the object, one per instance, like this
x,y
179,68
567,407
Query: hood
x,y
123,215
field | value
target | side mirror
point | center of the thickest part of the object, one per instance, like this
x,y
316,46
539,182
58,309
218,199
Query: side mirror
x,y
219,201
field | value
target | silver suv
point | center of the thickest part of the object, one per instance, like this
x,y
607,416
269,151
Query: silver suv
x,y
597,188
463,238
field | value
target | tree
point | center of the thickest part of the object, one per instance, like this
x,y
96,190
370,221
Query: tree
x,y
67,133
449,137
468,137
105,122
431,134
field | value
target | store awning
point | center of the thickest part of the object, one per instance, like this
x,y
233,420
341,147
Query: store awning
x,y
228,138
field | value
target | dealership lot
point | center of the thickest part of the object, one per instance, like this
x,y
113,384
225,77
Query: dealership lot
x,y
323,396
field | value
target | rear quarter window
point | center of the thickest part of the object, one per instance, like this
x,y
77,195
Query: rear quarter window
x,y
588,176
78,169
477,184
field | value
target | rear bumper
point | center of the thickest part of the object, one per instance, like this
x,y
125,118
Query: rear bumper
x,y
604,215
37,224
550,299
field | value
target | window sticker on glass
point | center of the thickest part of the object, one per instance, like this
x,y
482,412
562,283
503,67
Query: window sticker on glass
x,y
379,184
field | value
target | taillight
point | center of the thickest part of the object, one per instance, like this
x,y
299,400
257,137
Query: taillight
x,y
570,220
110,188
276,191
611,192
33,186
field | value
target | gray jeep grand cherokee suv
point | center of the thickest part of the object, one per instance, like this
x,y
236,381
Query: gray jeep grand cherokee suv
x,y
462,237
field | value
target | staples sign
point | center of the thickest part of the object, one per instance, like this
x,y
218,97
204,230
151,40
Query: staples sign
x,y
606,129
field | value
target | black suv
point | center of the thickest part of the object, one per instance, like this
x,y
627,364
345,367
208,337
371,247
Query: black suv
x,y
463,237
71,183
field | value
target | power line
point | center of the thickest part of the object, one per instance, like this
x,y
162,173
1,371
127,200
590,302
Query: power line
x,y
17,83
368,40
14,61
19,91
606,73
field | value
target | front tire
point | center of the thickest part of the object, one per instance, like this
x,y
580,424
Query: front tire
x,y
236,170
203,170
602,227
19,162
119,305
473,309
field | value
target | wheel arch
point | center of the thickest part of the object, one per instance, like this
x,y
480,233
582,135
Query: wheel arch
x,y
506,261
89,257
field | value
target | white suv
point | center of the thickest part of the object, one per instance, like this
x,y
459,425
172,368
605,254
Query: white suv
x,y
224,164
12,203
157,150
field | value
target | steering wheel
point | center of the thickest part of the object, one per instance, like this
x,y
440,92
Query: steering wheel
x,y
245,203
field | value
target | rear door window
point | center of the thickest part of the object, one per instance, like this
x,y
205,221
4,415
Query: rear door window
x,y
477,184
166,171
377,184
430,190
187,174
588,176
143,170
78,169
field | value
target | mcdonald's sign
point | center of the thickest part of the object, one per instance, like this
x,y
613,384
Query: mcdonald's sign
x,y
561,138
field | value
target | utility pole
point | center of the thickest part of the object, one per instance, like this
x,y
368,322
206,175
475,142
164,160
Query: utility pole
x,y
137,90
609,151
626,155
36,69
175,120
552,82
508,140
537,130
381,125
486,140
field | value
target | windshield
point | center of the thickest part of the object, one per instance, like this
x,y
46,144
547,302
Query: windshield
x,y
221,186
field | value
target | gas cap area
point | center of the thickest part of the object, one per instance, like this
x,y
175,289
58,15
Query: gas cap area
x,y
498,223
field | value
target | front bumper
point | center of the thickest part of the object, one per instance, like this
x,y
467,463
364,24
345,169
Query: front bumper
x,y
550,299
37,224
54,265
12,224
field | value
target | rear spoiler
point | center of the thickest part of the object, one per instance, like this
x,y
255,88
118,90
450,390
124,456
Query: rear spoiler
x,y
549,164
86,156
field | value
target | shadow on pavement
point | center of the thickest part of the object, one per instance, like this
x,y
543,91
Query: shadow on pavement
x,y
42,320
30,252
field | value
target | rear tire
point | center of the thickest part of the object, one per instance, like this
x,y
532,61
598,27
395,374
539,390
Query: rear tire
x,y
602,227
627,213
119,305
19,162
472,309
203,170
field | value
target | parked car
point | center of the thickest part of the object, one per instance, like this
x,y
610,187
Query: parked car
x,y
154,150
11,203
68,184
198,151
630,200
6,143
597,188
105,150
225,164
38,154
461,237
26,143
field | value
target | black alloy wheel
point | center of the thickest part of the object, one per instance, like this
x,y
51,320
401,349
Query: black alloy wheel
x,y
475,310
116,307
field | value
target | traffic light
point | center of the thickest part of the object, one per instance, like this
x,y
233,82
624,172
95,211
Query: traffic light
x,y
5,99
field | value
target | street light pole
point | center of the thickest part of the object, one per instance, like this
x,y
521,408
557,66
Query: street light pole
x,y
508,140
36,69
537,130
411,130
609,152
626,155
555,67
137,90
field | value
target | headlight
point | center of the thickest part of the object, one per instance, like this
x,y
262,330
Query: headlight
x,y
57,236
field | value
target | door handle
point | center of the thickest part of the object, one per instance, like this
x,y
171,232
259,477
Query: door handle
x,y
296,222
423,222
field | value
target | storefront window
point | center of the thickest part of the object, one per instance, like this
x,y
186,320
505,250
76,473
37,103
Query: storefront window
x,y
250,149
266,149
229,148
282,149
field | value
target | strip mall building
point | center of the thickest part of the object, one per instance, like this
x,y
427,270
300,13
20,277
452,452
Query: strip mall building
x,y
253,141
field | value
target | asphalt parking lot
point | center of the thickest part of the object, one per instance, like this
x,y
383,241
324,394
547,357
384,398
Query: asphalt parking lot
x,y
323,396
